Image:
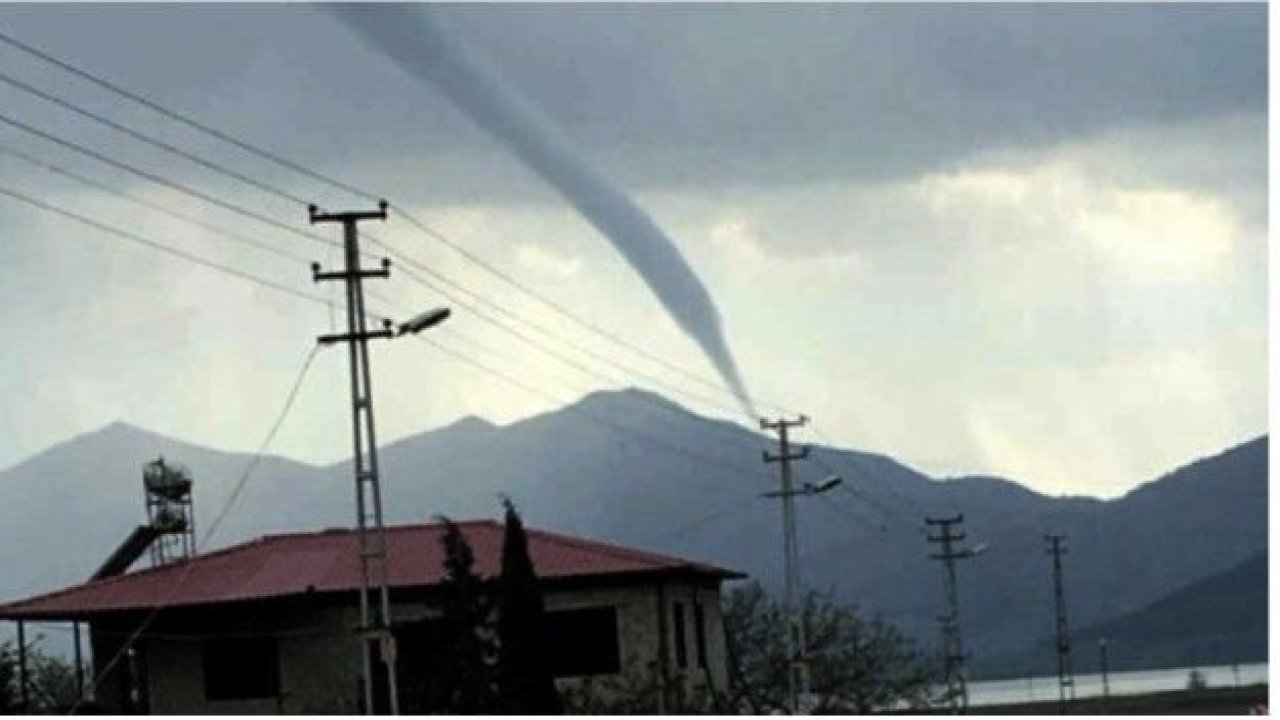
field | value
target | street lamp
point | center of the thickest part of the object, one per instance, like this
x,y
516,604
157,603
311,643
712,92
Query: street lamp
x,y
425,320
807,488
828,484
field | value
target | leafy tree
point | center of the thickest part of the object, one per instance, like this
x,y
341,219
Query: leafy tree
x,y
525,683
855,665
642,692
51,682
9,697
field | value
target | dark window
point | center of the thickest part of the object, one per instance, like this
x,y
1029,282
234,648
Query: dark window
x,y
682,649
583,642
241,668
700,634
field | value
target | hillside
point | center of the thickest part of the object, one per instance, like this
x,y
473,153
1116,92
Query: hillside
x,y
680,483
1219,620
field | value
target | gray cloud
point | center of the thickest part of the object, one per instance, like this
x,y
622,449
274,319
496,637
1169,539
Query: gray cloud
x,y
868,162
680,95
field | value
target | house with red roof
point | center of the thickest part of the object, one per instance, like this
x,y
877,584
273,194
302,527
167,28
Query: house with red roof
x,y
269,626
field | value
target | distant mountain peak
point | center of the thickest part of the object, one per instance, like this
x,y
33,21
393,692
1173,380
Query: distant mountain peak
x,y
470,423
122,426
627,394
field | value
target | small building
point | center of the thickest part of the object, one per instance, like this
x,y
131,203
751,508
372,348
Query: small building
x,y
268,626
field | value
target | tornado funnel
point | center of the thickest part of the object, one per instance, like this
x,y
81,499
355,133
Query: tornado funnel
x,y
421,42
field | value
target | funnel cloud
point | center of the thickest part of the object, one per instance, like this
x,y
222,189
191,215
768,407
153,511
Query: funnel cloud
x,y
420,41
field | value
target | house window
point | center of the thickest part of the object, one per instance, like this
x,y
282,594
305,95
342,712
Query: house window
x,y
583,642
700,634
682,648
241,668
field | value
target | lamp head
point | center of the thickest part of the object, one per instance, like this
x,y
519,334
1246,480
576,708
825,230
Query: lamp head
x,y
830,483
421,322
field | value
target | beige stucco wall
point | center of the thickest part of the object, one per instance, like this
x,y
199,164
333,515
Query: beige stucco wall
x,y
320,659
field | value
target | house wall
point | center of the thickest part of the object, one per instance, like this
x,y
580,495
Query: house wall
x,y
696,679
647,639
319,665
110,666
320,662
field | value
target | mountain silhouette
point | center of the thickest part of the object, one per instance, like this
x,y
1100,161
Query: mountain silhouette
x,y
632,467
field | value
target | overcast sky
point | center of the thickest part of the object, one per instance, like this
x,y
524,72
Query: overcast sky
x,y
1028,241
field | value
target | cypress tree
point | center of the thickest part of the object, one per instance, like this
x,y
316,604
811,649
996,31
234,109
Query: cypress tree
x,y
466,678
525,682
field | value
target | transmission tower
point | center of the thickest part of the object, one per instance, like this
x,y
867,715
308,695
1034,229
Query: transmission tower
x,y
953,656
375,604
1066,683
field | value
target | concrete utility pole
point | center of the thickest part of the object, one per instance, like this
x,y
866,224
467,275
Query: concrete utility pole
x,y
1106,683
375,625
953,656
1065,681
79,660
798,676
24,686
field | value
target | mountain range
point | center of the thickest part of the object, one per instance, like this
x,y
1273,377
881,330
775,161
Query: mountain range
x,y
632,467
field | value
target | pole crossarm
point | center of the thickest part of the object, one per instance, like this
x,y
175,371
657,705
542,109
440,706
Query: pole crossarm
x,y
316,216
383,273
797,455
384,334
790,493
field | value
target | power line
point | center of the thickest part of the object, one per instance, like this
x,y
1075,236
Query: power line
x,y
134,237
213,527
147,139
182,118
886,511
727,432
453,332
558,308
710,517
561,357
190,122
100,157
600,357
239,176
693,455
155,206
852,460
507,377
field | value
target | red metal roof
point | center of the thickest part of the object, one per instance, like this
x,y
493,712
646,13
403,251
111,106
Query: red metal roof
x,y
328,561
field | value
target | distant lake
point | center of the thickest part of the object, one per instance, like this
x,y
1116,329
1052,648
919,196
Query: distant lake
x,y
1132,682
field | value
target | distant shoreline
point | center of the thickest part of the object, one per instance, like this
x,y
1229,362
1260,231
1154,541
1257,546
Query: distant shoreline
x,y
1209,701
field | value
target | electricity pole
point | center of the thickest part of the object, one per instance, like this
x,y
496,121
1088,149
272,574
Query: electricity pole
x,y
952,646
797,675
375,604
1102,651
1065,681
